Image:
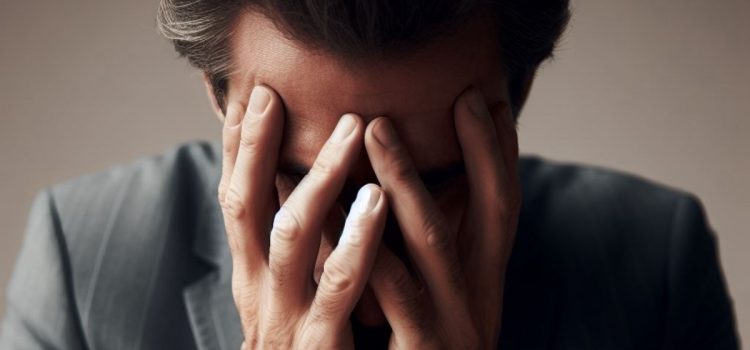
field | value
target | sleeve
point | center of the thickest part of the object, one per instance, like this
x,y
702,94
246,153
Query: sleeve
x,y
699,314
40,307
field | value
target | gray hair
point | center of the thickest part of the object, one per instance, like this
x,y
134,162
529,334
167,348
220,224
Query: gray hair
x,y
200,29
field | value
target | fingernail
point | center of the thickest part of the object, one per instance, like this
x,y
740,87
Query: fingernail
x,y
367,198
365,202
234,116
385,134
343,129
476,103
259,100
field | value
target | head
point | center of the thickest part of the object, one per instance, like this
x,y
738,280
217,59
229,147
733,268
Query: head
x,y
407,60
358,31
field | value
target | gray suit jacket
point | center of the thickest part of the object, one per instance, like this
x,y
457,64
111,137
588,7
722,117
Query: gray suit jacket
x,y
136,258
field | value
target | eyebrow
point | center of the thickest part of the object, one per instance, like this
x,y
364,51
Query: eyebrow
x,y
432,178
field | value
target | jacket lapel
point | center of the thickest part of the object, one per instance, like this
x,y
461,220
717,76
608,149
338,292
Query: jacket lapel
x,y
208,300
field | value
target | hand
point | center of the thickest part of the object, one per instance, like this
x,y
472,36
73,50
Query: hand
x,y
459,304
279,304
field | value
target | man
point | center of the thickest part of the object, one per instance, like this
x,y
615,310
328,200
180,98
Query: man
x,y
452,240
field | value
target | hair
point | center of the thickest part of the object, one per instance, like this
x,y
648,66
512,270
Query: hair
x,y
528,30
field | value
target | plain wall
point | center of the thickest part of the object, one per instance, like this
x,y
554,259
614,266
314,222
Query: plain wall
x,y
656,88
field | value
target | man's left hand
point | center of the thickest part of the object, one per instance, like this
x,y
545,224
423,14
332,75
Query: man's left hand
x,y
457,303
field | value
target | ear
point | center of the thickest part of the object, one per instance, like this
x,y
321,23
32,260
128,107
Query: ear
x,y
212,97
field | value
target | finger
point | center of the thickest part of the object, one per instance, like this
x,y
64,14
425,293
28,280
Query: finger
x,y
331,228
486,231
505,125
249,196
346,271
488,178
426,234
295,236
230,142
331,233
401,302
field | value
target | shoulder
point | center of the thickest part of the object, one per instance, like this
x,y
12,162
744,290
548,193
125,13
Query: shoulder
x,y
612,258
583,196
190,161
121,234
121,225
592,186
142,186
604,222
136,202
618,255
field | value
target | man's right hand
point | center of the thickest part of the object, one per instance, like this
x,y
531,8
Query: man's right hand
x,y
278,302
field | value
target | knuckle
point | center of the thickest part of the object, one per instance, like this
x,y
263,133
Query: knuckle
x,y
277,320
248,314
229,146
284,234
285,230
244,292
401,171
439,240
434,232
221,192
276,337
249,144
336,278
325,310
277,327
396,278
250,136
252,339
314,332
233,203
238,296
323,166
279,270
248,318
282,239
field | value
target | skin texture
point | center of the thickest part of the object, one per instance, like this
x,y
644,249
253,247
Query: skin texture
x,y
445,104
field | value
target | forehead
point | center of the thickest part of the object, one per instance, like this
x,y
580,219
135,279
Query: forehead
x,y
415,89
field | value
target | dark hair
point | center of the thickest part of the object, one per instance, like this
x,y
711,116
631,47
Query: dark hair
x,y
527,29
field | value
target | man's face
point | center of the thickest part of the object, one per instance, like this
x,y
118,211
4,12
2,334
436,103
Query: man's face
x,y
416,90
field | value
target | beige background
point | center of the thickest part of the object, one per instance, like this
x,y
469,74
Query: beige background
x,y
658,88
